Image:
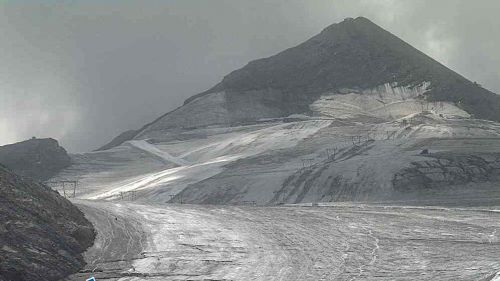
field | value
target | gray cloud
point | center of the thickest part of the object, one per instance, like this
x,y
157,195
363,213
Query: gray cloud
x,y
84,71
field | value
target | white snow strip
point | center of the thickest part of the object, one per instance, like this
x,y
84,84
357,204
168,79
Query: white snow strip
x,y
152,149
175,178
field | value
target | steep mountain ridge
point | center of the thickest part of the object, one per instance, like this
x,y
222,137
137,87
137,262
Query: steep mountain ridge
x,y
354,53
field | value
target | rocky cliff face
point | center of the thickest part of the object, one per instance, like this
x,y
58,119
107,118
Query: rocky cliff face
x,y
42,235
39,159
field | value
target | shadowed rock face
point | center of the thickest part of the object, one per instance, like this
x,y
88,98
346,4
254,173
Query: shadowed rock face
x,y
355,53
39,159
42,235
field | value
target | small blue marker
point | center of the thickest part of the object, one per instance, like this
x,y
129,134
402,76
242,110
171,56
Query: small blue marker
x,y
91,279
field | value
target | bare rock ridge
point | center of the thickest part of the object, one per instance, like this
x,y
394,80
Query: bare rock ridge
x,y
42,235
39,159
352,54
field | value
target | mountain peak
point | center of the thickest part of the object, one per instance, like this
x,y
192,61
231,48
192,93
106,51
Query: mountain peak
x,y
351,26
353,54
359,22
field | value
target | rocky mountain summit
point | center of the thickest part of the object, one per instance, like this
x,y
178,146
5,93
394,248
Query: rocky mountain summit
x,y
42,235
355,54
350,56
39,159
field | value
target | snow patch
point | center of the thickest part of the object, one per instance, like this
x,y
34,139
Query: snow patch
x,y
150,148
387,101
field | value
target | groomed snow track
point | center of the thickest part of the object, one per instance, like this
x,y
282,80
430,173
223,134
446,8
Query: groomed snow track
x,y
343,242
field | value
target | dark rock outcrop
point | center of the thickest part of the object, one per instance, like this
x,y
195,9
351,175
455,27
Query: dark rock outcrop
x,y
39,159
442,170
42,235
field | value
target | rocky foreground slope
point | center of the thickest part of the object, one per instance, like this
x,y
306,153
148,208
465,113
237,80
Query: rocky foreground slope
x,y
39,159
42,235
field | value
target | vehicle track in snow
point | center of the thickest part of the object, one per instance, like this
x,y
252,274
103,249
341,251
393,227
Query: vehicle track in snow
x,y
348,242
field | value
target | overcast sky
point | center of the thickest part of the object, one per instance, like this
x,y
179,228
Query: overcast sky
x,y
84,71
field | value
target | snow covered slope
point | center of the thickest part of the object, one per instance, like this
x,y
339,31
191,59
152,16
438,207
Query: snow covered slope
x,y
325,158
387,102
343,116
185,162
172,242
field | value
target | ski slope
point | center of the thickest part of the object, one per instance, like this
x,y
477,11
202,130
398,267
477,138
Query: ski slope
x,y
256,162
247,192
150,148
191,161
339,242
